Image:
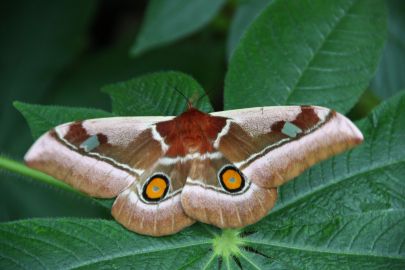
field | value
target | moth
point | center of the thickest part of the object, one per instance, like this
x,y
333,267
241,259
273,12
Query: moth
x,y
220,168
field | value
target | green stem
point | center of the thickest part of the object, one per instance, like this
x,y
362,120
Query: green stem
x,y
17,167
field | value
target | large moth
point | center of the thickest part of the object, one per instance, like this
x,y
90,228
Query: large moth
x,y
221,168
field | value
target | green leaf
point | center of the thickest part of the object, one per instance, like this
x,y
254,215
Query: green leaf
x,y
368,240
390,74
96,244
42,118
167,21
245,14
157,94
307,52
345,213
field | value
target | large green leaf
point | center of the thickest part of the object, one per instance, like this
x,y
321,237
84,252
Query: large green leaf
x,y
96,244
307,52
390,74
157,94
345,213
168,20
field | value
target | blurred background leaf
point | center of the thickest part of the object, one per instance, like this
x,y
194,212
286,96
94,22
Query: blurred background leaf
x,y
167,21
245,14
38,40
112,64
390,77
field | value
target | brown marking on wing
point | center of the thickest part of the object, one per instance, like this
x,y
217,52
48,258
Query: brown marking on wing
x,y
76,133
191,132
277,126
102,139
307,118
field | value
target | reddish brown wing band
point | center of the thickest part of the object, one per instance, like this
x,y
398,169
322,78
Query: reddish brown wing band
x,y
221,168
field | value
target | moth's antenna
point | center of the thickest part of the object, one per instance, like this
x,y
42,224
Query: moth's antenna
x,y
190,105
200,97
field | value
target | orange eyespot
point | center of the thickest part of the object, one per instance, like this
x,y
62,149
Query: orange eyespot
x,y
156,188
231,179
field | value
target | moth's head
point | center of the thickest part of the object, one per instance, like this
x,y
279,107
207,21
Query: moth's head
x,y
194,99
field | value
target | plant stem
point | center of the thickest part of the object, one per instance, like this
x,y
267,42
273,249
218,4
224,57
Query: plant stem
x,y
17,167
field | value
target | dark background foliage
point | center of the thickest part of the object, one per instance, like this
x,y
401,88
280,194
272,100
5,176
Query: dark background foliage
x,y
63,52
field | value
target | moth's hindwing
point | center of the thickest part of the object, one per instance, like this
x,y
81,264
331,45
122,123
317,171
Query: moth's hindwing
x,y
220,194
152,205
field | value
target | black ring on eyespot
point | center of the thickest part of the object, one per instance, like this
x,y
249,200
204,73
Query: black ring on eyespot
x,y
221,178
150,179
